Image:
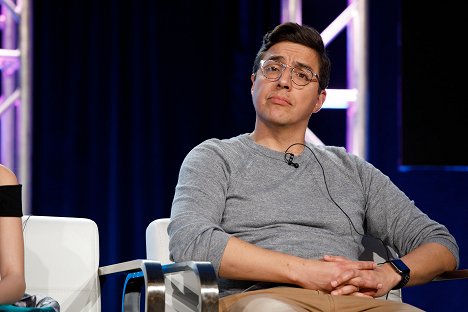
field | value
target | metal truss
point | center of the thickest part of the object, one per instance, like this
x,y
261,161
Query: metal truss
x,y
16,91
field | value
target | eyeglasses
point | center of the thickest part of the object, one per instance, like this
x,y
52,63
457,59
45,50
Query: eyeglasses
x,y
300,75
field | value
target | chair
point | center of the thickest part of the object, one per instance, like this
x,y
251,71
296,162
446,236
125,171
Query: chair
x,y
62,262
191,285
157,248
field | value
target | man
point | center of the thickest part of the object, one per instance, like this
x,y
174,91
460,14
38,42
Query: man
x,y
282,220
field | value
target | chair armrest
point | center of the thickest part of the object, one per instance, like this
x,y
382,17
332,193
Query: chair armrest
x,y
138,273
452,275
191,286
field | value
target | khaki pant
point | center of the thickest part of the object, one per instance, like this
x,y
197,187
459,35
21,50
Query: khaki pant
x,y
283,299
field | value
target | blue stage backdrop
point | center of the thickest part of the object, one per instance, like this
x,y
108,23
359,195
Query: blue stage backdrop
x,y
123,90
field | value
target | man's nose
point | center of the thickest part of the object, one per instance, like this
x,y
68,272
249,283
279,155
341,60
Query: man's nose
x,y
285,80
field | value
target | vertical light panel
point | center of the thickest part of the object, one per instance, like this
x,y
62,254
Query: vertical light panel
x,y
25,144
356,115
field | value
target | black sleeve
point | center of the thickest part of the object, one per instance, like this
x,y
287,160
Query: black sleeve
x,y
10,201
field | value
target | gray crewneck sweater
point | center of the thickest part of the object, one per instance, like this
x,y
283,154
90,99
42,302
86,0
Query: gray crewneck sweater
x,y
237,187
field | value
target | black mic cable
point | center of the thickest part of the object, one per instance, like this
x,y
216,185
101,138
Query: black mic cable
x,y
288,157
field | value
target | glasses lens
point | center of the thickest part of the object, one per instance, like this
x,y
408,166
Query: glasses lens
x,y
271,69
302,76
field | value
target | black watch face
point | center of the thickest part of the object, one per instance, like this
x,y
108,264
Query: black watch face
x,y
403,270
400,265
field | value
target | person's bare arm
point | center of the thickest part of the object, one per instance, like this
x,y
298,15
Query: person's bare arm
x,y
425,262
428,261
245,261
12,284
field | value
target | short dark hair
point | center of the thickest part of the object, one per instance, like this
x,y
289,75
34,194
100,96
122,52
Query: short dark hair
x,y
301,34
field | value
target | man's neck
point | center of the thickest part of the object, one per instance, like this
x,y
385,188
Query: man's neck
x,y
279,140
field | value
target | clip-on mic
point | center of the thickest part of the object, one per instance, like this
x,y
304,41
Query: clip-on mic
x,y
289,160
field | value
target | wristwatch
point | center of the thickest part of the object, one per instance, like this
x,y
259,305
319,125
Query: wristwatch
x,y
401,268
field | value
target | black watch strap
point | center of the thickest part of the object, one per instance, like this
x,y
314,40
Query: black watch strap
x,y
400,267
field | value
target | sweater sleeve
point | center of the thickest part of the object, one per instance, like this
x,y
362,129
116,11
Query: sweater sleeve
x,y
393,217
197,209
10,201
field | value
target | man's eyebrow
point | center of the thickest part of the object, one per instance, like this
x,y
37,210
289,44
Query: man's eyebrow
x,y
276,58
303,66
295,64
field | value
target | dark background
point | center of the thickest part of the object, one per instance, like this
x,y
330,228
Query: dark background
x,y
122,92
434,114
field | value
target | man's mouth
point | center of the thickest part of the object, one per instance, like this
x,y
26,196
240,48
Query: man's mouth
x,y
279,100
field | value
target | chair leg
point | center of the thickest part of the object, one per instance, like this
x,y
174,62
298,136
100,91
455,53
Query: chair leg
x,y
132,292
150,277
155,294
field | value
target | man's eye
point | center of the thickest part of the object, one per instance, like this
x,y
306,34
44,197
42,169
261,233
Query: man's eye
x,y
302,75
273,68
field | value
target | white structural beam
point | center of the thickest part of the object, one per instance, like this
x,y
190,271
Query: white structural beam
x,y
25,137
356,133
291,11
9,60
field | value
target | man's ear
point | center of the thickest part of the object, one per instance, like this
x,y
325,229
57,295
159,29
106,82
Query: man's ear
x,y
321,99
252,78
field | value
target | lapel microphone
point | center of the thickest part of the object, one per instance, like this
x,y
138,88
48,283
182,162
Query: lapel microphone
x,y
289,157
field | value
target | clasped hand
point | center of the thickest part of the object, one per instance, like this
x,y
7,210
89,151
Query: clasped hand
x,y
341,276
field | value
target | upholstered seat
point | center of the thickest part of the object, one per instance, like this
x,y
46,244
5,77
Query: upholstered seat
x,y
62,262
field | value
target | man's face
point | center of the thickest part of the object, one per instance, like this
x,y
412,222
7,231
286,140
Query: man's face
x,y
282,102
